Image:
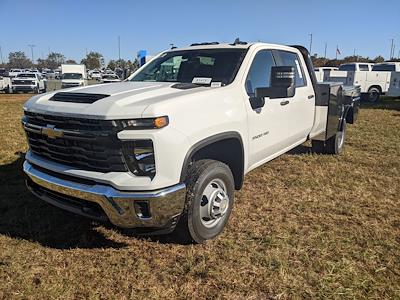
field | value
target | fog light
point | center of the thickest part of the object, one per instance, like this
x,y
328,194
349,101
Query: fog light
x,y
139,156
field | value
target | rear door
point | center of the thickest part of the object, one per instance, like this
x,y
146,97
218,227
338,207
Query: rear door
x,y
299,110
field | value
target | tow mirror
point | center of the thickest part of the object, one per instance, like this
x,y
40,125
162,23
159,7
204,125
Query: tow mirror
x,y
282,84
257,102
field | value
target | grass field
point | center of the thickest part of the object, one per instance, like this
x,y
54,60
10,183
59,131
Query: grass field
x,y
304,226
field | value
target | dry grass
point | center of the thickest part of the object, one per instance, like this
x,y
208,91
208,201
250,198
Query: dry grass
x,y
304,226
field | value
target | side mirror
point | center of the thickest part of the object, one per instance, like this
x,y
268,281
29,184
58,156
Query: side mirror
x,y
257,102
282,84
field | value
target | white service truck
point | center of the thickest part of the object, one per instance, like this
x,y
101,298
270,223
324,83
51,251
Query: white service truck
x,y
165,150
73,75
373,79
28,82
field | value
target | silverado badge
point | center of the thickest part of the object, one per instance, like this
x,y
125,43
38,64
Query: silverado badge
x,y
52,132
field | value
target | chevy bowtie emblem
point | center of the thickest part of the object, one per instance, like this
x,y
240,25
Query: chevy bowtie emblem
x,y
52,132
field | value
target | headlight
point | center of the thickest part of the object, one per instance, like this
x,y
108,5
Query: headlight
x,y
146,123
139,156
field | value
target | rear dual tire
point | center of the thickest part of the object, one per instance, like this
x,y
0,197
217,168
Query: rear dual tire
x,y
209,201
334,145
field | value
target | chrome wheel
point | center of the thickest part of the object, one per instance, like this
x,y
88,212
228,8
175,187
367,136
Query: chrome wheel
x,y
341,135
214,203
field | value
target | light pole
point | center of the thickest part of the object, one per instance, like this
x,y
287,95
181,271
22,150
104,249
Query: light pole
x,y
32,46
391,49
326,46
119,48
1,55
310,43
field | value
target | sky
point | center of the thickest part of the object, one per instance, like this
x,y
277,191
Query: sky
x,y
73,27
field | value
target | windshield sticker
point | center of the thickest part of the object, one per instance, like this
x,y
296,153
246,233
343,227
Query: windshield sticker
x,y
298,69
201,80
216,84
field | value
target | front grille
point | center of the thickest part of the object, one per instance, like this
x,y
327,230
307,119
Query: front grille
x,y
23,82
85,144
77,97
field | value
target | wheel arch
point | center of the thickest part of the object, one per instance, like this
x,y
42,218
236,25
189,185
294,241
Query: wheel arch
x,y
214,147
376,86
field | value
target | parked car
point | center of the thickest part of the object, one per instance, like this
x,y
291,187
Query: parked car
x,y
28,82
109,78
167,148
95,75
14,72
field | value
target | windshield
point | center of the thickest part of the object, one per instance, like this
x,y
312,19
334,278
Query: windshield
x,y
384,67
26,76
72,76
194,66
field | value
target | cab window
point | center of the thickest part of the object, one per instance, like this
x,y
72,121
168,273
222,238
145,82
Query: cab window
x,y
285,58
260,71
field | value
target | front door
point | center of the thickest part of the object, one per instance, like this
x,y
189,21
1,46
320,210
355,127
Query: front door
x,y
268,125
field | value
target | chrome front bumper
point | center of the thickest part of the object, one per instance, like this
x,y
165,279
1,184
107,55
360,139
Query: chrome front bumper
x,y
123,209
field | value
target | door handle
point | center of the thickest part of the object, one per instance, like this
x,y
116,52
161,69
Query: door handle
x,y
310,97
285,102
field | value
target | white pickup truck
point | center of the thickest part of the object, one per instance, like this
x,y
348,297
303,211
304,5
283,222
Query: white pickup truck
x,y
165,150
28,82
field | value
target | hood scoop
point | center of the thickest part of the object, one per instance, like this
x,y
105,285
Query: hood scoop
x,y
77,97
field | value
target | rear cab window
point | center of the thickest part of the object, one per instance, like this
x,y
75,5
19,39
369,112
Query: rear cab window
x,y
363,67
347,67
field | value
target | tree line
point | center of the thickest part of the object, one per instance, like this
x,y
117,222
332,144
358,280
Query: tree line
x,y
327,62
93,60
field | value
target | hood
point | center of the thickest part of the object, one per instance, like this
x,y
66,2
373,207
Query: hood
x,y
123,100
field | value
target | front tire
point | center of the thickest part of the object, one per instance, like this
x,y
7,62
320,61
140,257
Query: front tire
x,y
209,201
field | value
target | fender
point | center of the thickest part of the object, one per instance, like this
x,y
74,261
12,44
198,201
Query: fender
x,y
208,141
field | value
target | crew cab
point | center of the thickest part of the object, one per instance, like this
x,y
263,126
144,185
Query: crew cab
x,y
165,150
28,82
